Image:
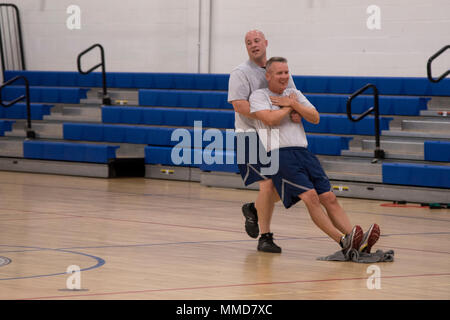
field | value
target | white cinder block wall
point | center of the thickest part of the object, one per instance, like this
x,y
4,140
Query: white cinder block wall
x,y
319,37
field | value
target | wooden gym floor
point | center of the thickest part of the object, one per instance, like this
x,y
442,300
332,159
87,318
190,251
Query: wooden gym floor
x,y
137,238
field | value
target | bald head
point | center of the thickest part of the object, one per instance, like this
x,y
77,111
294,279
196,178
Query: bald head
x,y
256,45
253,34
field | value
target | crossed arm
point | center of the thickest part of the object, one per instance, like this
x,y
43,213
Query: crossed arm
x,y
289,106
243,107
309,114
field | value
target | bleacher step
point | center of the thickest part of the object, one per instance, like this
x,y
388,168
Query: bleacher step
x,y
359,152
119,94
416,134
351,189
11,147
42,129
442,113
439,103
75,113
411,147
429,126
67,168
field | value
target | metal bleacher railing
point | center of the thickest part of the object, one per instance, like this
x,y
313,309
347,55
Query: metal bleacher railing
x,y
29,131
11,44
378,153
430,60
106,99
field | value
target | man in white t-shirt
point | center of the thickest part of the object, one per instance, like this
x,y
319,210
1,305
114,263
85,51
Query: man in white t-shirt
x,y
300,175
244,79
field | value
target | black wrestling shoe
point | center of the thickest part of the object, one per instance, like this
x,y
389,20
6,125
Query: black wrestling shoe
x,y
251,219
266,244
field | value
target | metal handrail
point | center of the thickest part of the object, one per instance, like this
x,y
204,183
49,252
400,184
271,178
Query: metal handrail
x,y
378,153
430,60
30,133
106,99
19,32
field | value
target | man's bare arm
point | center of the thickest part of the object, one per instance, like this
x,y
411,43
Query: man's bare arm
x,y
243,107
309,114
272,117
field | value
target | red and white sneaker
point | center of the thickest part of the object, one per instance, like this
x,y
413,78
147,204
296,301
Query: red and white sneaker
x,y
352,240
370,238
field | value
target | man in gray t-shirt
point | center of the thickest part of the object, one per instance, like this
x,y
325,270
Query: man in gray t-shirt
x,y
244,79
300,175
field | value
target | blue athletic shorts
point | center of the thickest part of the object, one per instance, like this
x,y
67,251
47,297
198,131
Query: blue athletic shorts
x,y
248,160
299,171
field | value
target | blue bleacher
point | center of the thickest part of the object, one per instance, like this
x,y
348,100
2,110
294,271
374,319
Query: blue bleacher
x,y
330,103
192,97
5,125
19,111
416,175
402,106
165,116
46,94
437,151
227,159
386,85
193,81
161,136
186,81
65,151
186,99
335,124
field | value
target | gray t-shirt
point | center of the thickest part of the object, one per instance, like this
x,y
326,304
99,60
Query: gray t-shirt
x,y
290,134
244,79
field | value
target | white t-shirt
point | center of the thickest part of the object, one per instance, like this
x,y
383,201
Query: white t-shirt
x,y
244,79
290,134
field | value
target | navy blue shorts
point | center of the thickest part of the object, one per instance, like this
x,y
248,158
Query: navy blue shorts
x,y
299,171
248,157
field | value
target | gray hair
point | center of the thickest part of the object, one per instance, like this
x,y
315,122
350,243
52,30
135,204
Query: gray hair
x,y
274,59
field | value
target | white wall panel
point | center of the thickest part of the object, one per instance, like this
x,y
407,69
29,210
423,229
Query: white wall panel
x,y
319,37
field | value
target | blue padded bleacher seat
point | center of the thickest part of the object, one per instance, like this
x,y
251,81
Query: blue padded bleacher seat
x,y
328,145
222,165
385,85
416,175
169,117
332,103
19,111
340,124
64,151
195,81
437,151
162,136
5,125
184,81
46,94
163,155
176,98
336,124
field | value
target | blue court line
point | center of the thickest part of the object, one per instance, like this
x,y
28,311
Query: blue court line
x,y
100,262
